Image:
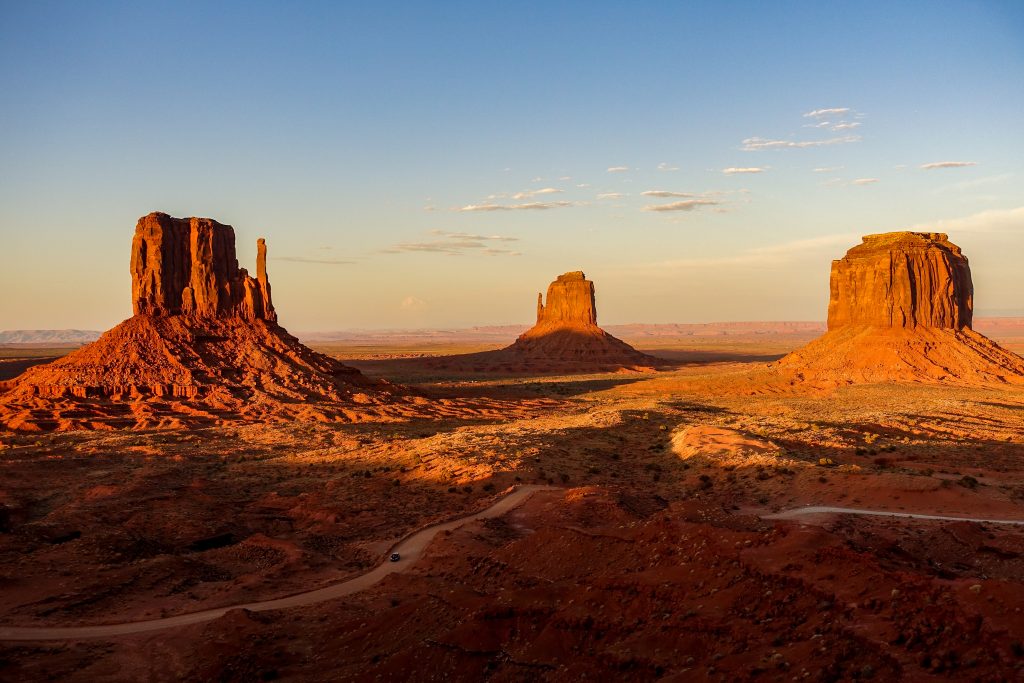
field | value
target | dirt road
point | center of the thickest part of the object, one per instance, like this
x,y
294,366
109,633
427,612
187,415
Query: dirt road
x,y
410,549
819,509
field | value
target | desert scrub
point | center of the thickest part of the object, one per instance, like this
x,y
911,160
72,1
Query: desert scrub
x,y
967,481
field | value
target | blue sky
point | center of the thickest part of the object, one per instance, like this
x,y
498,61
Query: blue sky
x,y
383,149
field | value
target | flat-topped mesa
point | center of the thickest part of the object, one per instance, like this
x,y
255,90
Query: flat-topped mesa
x,y
570,302
900,311
187,266
902,280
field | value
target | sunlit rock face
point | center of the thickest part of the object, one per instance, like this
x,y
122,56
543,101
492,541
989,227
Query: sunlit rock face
x,y
187,266
204,346
570,301
902,280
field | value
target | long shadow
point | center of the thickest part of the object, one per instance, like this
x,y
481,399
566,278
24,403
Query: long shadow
x,y
530,387
688,357
10,369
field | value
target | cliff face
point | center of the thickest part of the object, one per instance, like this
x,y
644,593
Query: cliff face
x,y
570,302
902,280
187,266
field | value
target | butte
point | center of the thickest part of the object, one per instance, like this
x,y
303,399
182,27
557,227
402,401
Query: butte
x,y
203,347
900,310
565,339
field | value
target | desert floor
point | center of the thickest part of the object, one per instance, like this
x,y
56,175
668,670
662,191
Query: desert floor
x,y
651,559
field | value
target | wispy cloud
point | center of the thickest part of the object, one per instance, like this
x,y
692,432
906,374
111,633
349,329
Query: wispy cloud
x,y
456,244
665,166
532,206
948,164
834,111
610,195
828,169
759,144
618,169
526,194
732,170
864,181
307,259
666,193
846,125
684,205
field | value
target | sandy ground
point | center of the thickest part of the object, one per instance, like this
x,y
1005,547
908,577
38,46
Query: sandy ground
x,y
651,560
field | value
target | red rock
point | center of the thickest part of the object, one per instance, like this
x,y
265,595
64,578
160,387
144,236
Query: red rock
x,y
900,309
187,266
565,339
204,334
571,301
902,279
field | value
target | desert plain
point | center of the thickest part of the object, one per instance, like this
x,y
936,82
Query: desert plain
x,y
654,551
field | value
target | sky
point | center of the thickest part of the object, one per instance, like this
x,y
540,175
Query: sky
x,y
437,164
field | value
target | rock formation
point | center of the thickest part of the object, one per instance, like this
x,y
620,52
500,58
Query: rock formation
x,y
565,339
203,345
187,266
902,280
900,309
571,302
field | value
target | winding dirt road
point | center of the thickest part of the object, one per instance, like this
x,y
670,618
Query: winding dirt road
x,y
819,509
410,549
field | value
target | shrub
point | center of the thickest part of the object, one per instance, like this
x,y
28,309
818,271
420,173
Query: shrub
x,y
967,481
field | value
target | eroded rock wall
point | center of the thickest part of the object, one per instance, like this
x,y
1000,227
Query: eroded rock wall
x,y
188,266
902,280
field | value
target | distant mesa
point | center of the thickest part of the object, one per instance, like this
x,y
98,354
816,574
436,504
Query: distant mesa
x,y
565,339
203,346
900,309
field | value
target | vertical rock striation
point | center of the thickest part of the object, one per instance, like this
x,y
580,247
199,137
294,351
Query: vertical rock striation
x,y
902,280
188,266
204,333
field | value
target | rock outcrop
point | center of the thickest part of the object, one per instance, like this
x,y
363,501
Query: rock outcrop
x,y
900,309
187,266
902,280
571,302
203,346
565,339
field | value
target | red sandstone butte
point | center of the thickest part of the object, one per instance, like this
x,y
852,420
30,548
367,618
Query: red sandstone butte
x,y
904,280
203,346
567,336
187,266
900,309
